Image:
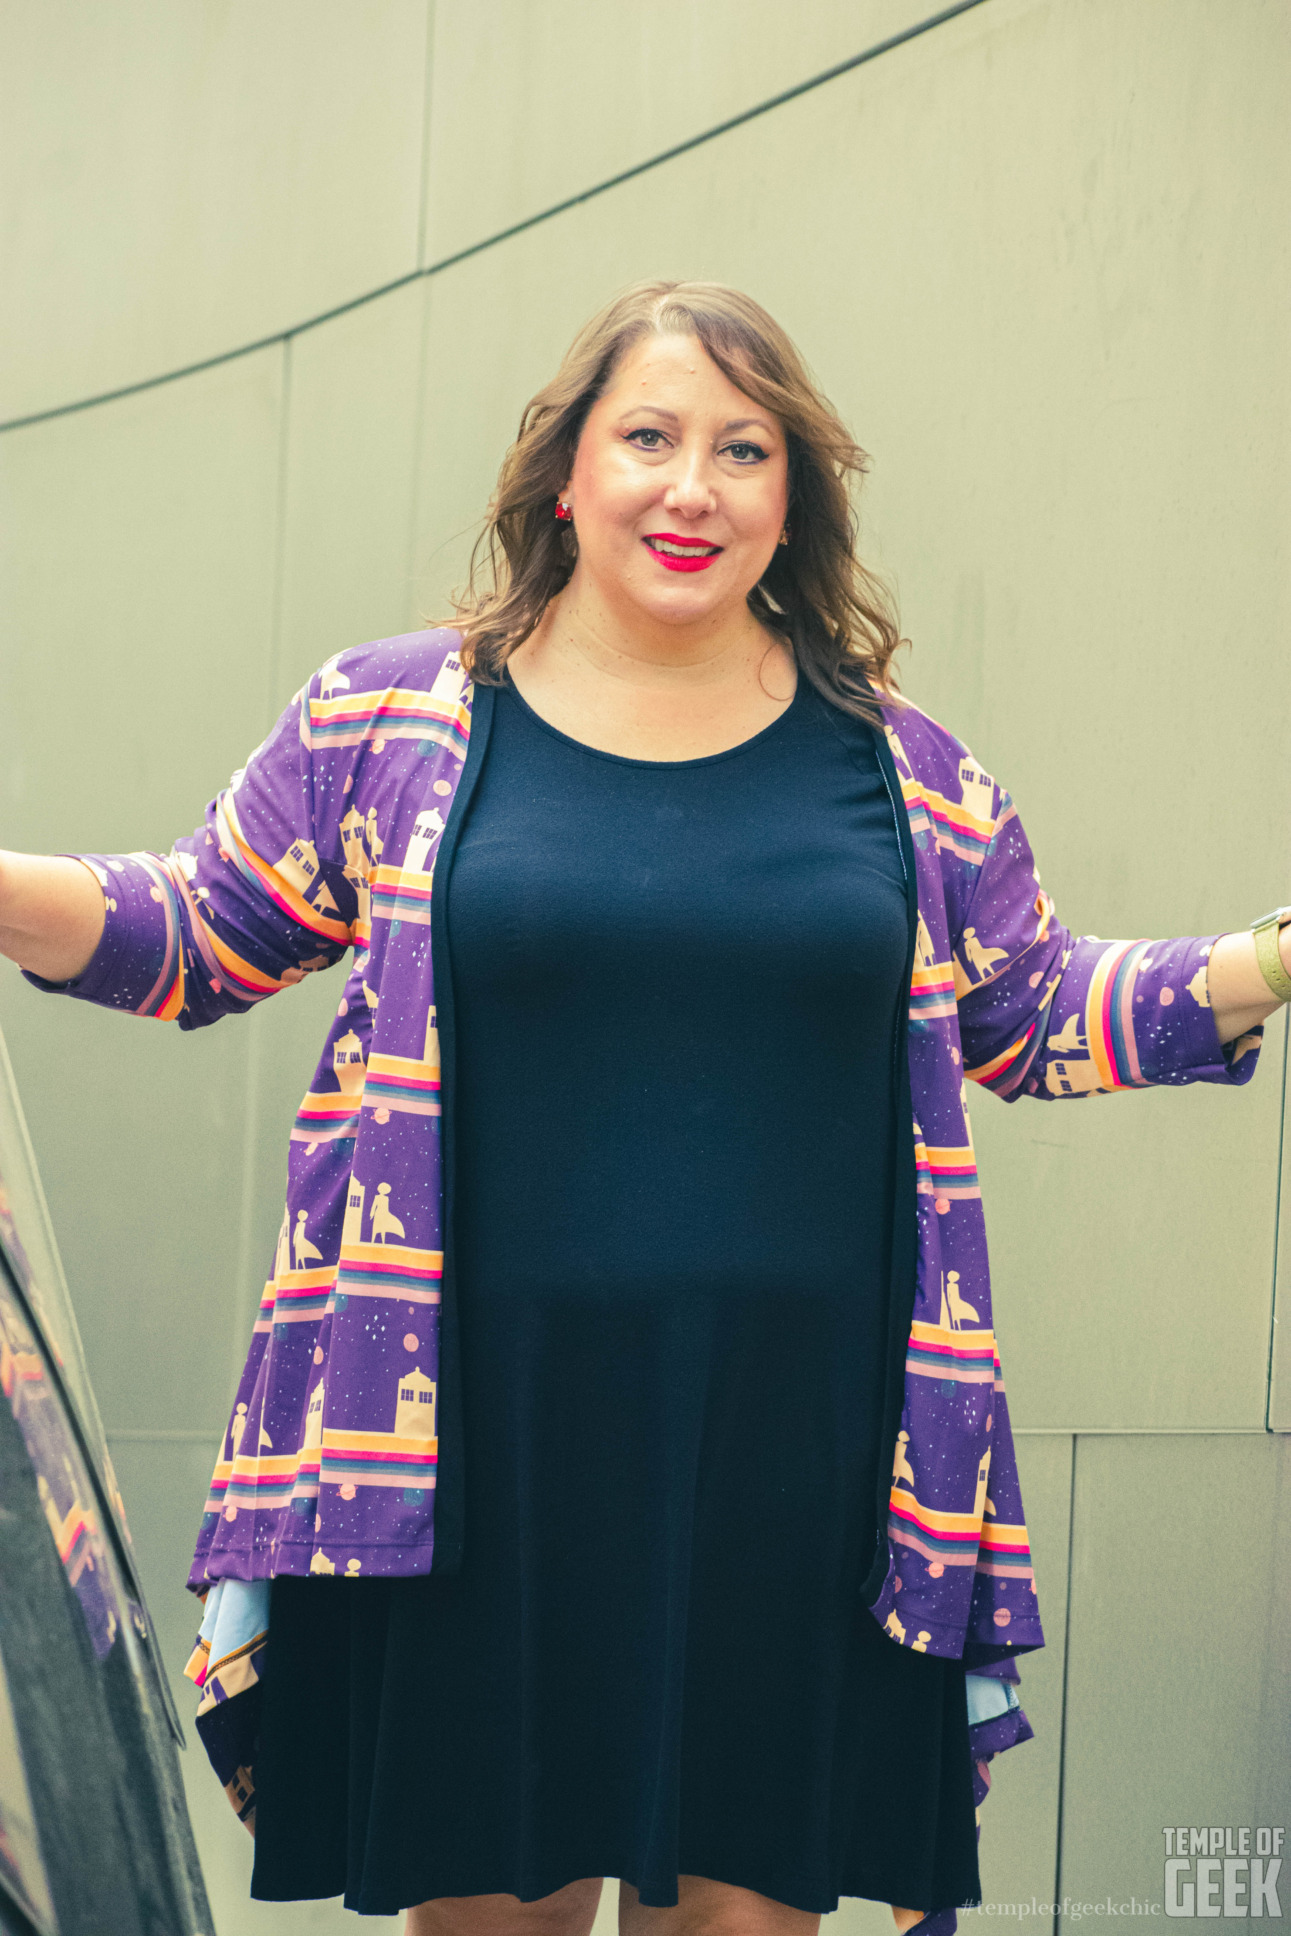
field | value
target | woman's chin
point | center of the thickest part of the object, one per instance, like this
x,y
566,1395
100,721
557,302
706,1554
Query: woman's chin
x,y
683,602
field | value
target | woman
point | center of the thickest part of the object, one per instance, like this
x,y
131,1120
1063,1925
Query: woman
x,y
641,1410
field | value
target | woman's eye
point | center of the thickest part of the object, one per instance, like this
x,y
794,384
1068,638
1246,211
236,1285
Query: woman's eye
x,y
746,453
649,439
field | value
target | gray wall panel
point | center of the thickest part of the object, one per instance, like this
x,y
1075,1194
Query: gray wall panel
x,y
177,181
354,430
1178,1649
552,101
1132,1253
140,542
139,551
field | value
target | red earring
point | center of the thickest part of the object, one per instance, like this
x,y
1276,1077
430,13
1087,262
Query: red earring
x,y
563,512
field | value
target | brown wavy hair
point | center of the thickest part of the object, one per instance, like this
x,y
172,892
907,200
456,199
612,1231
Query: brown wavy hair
x,y
838,619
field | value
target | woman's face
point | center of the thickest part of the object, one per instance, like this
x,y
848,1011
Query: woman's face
x,y
679,489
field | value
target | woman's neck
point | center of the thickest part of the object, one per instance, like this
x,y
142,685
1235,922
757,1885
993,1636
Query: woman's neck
x,y
618,692
590,639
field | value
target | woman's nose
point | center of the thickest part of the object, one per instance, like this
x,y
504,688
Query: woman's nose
x,y
690,490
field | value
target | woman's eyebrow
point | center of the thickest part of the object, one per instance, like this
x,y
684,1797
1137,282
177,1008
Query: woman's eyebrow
x,y
655,410
736,423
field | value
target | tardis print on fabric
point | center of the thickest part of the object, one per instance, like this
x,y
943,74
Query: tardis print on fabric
x,y
325,842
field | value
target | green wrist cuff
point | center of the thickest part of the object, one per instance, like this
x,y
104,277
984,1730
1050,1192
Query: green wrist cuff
x,y
1266,931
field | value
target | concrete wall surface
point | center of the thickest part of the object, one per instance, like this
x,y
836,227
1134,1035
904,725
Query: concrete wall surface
x,y
1039,254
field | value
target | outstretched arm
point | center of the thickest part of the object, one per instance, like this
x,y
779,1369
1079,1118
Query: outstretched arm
x,y
246,905
51,914
1047,1013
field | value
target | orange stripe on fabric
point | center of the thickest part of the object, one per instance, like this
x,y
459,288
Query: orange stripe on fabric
x,y
985,1070
281,890
932,1520
1096,1034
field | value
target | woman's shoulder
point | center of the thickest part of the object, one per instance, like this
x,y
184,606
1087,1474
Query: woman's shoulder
x,y
919,740
942,768
425,662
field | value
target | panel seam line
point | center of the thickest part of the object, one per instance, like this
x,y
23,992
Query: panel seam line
x,y
505,235
1271,1369
1062,1712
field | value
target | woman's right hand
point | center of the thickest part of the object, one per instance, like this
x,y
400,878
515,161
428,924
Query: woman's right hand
x,y
51,914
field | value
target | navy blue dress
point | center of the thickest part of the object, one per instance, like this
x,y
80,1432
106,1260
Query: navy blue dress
x,y
677,987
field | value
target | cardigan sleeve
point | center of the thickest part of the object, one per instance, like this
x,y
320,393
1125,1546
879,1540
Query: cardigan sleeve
x,y
1046,1013
241,908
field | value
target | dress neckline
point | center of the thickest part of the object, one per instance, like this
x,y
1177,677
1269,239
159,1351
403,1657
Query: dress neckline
x,y
622,759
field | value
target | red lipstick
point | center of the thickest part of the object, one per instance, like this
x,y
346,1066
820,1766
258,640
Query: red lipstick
x,y
678,553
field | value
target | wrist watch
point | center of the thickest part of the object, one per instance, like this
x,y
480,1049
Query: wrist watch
x,y
1267,953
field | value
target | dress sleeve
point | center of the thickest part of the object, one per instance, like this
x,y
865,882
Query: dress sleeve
x,y
1046,1013
257,898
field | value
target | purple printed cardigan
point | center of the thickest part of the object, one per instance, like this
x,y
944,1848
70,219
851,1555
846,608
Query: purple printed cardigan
x,y
326,842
